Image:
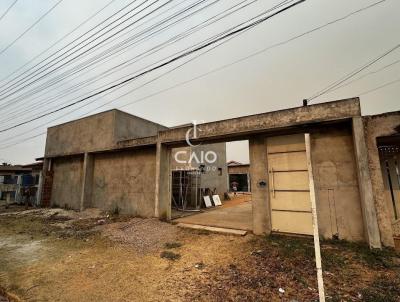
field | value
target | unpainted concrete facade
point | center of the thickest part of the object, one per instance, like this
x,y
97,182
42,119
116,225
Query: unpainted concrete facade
x,y
344,176
379,126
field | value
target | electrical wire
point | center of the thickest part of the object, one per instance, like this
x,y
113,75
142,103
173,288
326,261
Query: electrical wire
x,y
365,75
146,83
225,36
213,19
82,47
58,41
8,9
47,84
30,27
219,69
63,48
352,74
379,87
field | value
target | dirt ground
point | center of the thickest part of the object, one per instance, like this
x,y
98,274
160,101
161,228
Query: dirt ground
x,y
59,255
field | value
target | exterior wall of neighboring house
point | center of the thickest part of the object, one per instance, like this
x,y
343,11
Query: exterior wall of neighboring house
x,y
15,179
239,173
214,175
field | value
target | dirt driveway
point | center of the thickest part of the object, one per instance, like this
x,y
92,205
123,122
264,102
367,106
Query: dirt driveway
x,y
58,255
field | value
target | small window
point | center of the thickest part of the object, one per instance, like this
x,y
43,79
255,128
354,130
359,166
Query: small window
x,y
220,171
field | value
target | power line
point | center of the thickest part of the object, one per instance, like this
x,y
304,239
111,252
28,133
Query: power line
x,y
30,27
58,41
210,72
379,87
203,24
142,85
209,39
63,48
7,10
353,73
22,82
225,36
365,75
47,84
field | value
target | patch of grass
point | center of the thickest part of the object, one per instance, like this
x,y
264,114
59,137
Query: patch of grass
x,y
170,255
172,245
371,257
200,232
332,260
292,246
383,289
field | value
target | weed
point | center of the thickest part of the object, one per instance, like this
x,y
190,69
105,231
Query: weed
x,y
372,257
332,260
116,210
170,255
292,246
383,289
172,245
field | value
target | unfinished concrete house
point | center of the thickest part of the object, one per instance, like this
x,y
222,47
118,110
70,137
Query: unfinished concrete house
x,y
114,159
115,179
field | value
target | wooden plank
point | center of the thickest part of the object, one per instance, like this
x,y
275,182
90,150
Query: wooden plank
x,y
318,264
213,229
291,181
286,143
288,161
292,222
295,201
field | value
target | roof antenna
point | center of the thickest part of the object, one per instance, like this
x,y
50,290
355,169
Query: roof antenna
x,y
305,102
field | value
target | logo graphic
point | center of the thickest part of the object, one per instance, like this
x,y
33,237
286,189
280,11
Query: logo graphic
x,y
190,130
195,157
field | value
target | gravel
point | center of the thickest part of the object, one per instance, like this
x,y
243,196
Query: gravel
x,y
144,235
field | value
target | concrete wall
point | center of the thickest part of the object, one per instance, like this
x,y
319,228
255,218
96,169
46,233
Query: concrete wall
x,y
67,182
376,126
125,180
79,136
97,132
212,177
128,126
335,175
242,169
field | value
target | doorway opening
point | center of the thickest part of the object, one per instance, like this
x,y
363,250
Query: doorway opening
x,y
203,190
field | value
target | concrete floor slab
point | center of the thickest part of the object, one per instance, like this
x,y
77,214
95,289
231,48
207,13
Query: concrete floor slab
x,y
234,217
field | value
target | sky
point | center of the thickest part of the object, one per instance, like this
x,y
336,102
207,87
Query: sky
x,y
277,78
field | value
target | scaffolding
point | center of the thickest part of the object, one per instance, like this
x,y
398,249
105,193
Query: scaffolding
x,y
185,190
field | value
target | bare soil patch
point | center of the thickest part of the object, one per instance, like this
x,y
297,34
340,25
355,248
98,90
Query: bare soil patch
x,y
95,256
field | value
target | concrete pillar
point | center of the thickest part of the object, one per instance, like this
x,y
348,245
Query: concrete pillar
x,y
163,184
45,199
371,228
87,181
259,185
39,189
